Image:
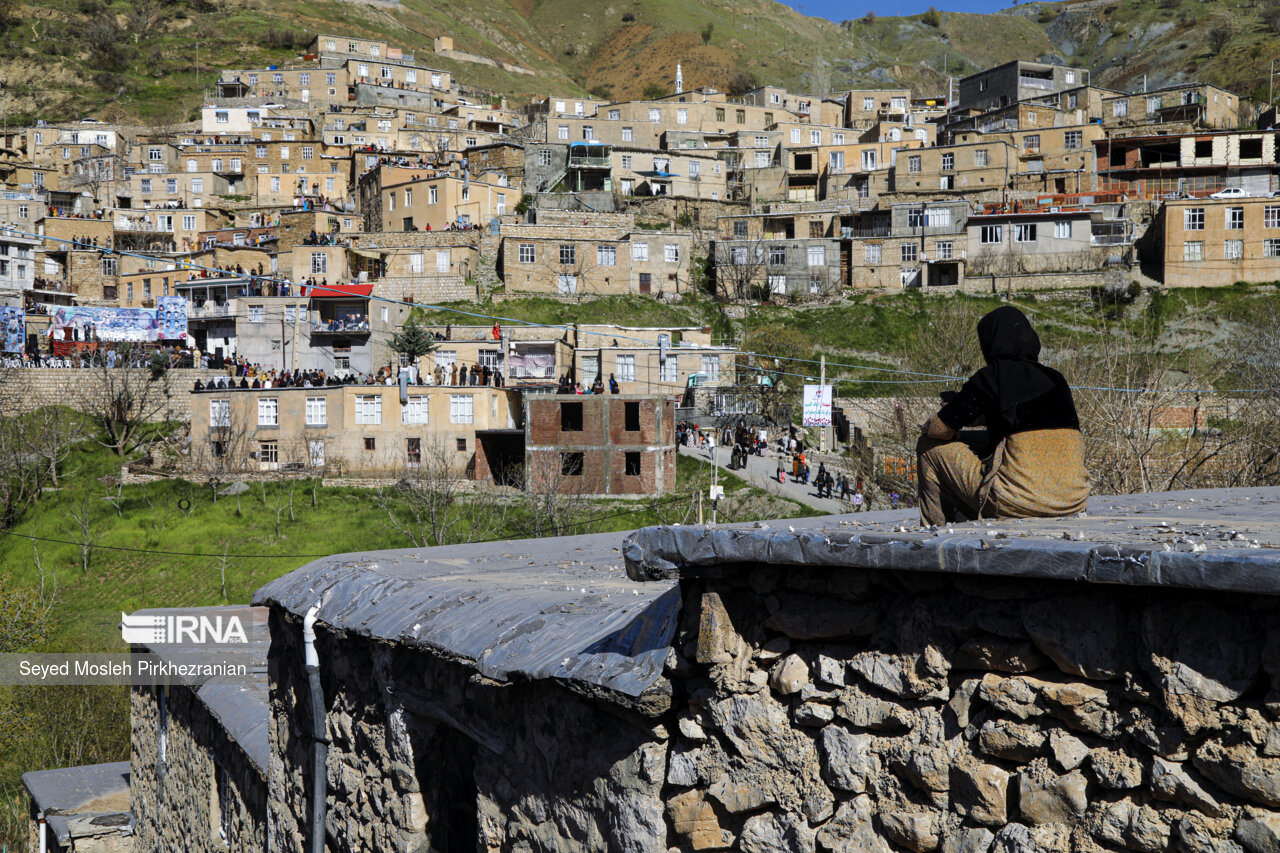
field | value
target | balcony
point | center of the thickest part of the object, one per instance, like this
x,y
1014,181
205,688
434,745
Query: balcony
x,y
584,162
210,310
1035,82
352,324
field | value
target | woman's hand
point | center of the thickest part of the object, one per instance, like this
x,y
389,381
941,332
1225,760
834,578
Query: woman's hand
x,y
935,428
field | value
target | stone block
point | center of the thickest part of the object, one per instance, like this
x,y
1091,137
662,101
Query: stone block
x,y
1044,797
1138,828
1259,833
1238,769
789,675
916,831
1172,783
968,841
847,760
999,654
851,830
694,818
1115,769
980,793
1019,742
1082,635
718,641
1068,751
774,833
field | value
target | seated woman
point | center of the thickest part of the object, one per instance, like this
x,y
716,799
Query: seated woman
x,y
1033,465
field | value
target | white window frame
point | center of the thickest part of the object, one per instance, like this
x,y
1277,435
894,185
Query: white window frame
x,y
317,411
369,409
417,410
461,409
268,411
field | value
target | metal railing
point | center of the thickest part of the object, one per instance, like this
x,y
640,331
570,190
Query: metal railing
x,y
1035,82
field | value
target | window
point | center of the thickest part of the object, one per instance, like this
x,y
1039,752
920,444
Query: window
x,y
461,409
655,114
837,138
1193,219
671,253
1024,232
711,367
631,459
991,234
1062,230
626,368
640,252
668,370
588,132
317,411
626,161
837,161
817,256
145,185
868,103
526,253
1271,216
815,137
308,152
197,185
898,103
1235,218
110,266
275,185
436,80
331,78
1233,249
442,260
1193,250
948,162
562,131
1120,108
219,413
268,411
913,163
568,254
873,253
1069,77
257,314
433,195
868,159
571,417
628,134
606,256
571,464
415,411
682,116
1271,248
329,184
778,284
566,283
632,417
945,250
370,443
544,157
385,72
910,253
777,255
1073,139
319,263
362,69
981,157
695,170
795,136
369,409
188,222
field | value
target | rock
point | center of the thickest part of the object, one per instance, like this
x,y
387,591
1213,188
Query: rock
x,y
1171,783
758,678
693,817
1115,769
980,792
909,676
403,776
847,759
1238,769
1190,836
851,831
682,767
1200,655
789,675
1068,751
691,729
1046,798
812,692
999,654
718,641
813,617
916,831
1259,834
771,833
1014,838
237,488
774,649
741,793
868,712
831,671
814,714
1011,741
1271,745
1081,706
1018,696
1052,837
961,700
1138,828
968,841
1083,636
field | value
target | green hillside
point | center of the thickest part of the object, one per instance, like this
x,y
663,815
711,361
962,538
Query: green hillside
x,y
149,60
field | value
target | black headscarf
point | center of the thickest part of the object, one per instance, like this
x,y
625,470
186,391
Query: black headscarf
x,y
1012,375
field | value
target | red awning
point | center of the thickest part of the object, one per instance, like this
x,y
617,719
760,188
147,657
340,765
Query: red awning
x,y
321,291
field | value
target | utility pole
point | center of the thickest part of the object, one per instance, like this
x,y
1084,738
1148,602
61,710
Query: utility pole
x,y
822,384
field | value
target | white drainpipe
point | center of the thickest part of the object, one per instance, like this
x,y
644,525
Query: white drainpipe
x,y
44,828
320,744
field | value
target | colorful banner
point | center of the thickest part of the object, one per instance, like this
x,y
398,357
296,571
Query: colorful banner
x,y
13,330
88,323
817,405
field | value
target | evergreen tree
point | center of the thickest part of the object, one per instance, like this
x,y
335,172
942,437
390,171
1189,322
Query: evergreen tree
x,y
412,341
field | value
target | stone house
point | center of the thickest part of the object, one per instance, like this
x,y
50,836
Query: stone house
x,y
864,108
660,368
1152,167
1197,105
600,444
594,259
425,200
979,171
1050,159
1034,242
357,429
912,244
1015,81
1216,242
80,809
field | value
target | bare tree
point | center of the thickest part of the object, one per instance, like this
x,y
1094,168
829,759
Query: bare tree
x,y
555,500
739,269
820,77
125,401
86,527
429,503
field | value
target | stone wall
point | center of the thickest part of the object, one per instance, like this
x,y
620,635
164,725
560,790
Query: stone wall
x,y
25,389
1032,281
178,813
424,755
879,711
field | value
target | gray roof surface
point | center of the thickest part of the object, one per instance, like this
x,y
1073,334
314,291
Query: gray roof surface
x,y
555,608
239,704
71,789
1213,539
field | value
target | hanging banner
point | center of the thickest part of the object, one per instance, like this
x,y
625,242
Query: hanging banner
x,y
87,323
817,405
13,330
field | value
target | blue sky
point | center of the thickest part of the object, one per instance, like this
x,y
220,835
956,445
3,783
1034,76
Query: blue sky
x,y
839,10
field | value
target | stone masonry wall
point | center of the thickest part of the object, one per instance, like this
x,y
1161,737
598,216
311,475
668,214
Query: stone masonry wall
x,y
178,814
874,711
25,389
426,755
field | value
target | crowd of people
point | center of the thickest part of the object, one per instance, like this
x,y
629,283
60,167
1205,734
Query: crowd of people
x,y
568,385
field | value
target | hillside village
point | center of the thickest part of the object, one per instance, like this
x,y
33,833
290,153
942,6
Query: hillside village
x,y
274,262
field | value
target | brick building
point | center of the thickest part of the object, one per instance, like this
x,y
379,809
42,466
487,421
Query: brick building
x,y
600,444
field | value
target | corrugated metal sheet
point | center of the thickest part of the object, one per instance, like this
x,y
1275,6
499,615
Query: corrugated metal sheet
x,y
533,609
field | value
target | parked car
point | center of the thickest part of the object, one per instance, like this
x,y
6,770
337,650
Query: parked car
x,y
1232,192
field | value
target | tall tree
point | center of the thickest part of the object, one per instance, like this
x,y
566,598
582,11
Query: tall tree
x,y
412,341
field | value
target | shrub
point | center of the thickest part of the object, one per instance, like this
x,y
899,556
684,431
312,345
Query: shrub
x,y
1047,14
931,18
653,91
628,17
1219,36
707,31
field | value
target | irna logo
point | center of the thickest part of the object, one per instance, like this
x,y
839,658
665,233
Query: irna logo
x,y
177,628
